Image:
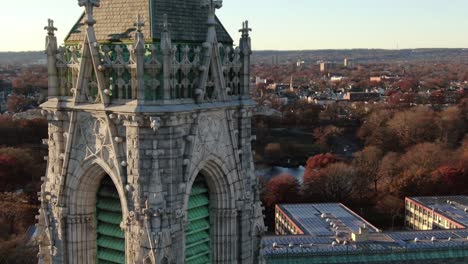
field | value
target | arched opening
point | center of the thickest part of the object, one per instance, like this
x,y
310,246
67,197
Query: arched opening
x,y
110,239
198,230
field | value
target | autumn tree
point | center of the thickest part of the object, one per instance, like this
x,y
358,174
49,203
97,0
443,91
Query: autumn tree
x,y
367,163
389,168
334,183
16,212
414,126
453,180
16,103
452,126
19,169
374,130
283,188
417,164
317,162
16,251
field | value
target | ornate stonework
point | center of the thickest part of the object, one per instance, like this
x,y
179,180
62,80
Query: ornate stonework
x,y
152,117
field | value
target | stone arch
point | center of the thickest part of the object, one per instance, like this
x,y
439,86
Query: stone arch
x,y
224,188
84,182
81,189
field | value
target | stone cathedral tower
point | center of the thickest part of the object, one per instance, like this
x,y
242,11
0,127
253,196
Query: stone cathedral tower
x,y
150,155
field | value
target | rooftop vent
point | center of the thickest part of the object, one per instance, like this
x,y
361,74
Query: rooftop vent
x,y
449,239
433,239
275,245
333,243
416,240
291,245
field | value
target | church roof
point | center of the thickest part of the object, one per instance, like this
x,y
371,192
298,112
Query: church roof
x,y
116,18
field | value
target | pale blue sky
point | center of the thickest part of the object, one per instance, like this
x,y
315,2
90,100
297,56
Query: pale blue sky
x,y
281,24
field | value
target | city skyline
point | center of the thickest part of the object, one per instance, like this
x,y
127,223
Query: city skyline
x,y
338,24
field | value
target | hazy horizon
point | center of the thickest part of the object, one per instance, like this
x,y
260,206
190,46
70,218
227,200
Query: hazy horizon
x,y
283,26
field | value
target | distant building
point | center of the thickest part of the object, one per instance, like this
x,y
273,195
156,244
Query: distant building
x,y
300,63
332,233
318,220
337,78
348,62
259,80
383,78
441,212
274,60
361,96
278,87
325,67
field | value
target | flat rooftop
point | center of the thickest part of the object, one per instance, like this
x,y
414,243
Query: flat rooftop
x,y
451,207
327,237
325,219
386,242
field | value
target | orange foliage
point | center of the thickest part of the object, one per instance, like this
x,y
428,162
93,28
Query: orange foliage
x,y
318,162
281,189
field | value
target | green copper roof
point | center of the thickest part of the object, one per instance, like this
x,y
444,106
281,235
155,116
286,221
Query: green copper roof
x,y
197,233
116,18
110,237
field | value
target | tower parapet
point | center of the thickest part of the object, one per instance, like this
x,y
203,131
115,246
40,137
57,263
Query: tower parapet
x,y
153,72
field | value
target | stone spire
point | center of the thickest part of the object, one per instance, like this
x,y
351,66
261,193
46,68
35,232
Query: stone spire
x,y
245,29
139,23
212,5
50,27
246,49
51,51
139,51
89,6
166,48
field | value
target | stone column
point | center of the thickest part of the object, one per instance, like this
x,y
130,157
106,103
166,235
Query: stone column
x,y
246,50
139,50
51,51
166,47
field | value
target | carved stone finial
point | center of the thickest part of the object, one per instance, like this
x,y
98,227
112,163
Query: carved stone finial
x,y
165,25
139,23
212,5
50,27
89,6
245,29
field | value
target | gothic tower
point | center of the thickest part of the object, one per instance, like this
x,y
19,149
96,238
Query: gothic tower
x,y
150,157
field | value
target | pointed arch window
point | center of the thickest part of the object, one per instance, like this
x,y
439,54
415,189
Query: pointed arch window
x,y
110,239
198,231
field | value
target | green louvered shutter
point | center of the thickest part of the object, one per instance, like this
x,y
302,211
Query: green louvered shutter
x,y
197,234
110,237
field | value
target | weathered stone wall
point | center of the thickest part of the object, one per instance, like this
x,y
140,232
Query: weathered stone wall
x,y
153,161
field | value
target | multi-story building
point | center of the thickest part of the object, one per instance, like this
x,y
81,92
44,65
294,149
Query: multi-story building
x,y
317,219
441,212
325,67
332,233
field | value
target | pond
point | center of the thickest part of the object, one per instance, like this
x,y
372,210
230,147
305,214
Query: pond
x,y
270,172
